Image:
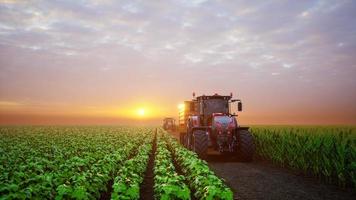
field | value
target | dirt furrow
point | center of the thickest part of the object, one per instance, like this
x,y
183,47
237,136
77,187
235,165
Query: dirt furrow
x,y
146,188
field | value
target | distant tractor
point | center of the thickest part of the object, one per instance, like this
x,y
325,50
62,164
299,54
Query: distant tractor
x,y
208,121
169,124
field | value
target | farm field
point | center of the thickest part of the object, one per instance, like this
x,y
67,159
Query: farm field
x,y
116,162
326,152
101,163
177,100
273,173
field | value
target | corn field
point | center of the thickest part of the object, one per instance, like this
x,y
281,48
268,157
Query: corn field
x,y
326,152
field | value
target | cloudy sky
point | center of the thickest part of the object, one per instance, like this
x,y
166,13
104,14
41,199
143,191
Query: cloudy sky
x,y
97,61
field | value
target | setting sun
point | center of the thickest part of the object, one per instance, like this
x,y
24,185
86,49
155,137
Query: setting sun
x,y
141,112
134,111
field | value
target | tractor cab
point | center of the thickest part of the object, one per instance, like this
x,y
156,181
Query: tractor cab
x,y
215,104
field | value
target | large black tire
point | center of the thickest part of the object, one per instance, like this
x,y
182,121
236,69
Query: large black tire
x,y
246,146
200,143
182,138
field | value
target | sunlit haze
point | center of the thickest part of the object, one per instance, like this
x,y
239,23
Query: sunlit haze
x,y
135,62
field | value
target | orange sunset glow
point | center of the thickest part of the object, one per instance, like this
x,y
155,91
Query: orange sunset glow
x,y
107,62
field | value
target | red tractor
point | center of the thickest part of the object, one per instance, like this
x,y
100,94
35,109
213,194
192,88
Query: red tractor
x,y
207,121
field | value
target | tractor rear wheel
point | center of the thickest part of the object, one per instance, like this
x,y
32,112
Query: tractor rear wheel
x,y
246,146
200,143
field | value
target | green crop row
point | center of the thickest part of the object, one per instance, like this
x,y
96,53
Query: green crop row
x,y
62,162
130,176
205,184
80,162
327,152
168,184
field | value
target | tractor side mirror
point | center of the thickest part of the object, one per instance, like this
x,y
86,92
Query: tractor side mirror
x,y
239,106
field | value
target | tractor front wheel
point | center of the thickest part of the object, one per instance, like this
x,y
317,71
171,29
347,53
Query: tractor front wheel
x,y
200,143
182,138
246,146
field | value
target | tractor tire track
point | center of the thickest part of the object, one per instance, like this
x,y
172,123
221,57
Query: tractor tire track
x,y
262,180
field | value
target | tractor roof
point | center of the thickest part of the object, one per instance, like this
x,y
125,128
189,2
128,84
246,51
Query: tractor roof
x,y
168,118
215,96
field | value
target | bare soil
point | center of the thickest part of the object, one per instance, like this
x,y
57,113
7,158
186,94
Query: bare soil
x,y
262,180
146,188
106,195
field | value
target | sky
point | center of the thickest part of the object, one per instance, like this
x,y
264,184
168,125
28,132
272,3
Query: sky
x,y
104,61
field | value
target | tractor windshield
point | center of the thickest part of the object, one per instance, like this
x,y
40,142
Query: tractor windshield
x,y
216,106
